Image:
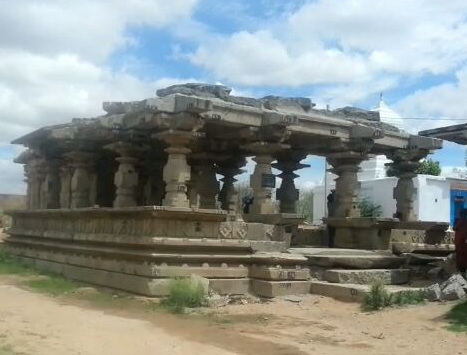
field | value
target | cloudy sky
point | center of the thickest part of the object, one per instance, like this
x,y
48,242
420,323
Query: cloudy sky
x,y
60,59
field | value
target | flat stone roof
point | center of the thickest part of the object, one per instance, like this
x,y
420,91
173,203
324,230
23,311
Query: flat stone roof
x,y
456,133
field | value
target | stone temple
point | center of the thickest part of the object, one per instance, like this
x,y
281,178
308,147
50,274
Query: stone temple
x,y
131,198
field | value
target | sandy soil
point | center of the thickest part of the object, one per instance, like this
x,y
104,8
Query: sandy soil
x,y
32,323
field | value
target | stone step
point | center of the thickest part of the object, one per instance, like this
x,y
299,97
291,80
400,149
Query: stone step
x,y
367,276
356,261
278,273
309,251
272,289
351,292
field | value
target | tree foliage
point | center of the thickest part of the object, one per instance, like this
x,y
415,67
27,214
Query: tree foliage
x,y
427,167
305,204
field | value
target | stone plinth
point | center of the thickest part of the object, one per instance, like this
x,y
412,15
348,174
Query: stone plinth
x,y
362,233
138,249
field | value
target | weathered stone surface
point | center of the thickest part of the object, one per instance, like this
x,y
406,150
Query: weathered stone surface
x,y
230,286
452,292
278,273
350,292
279,288
356,262
433,293
455,279
368,276
419,259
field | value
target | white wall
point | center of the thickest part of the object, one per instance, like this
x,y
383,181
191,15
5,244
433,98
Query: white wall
x,y
431,199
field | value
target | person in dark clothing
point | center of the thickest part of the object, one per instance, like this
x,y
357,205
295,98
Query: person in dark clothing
x,y
247,201
460,239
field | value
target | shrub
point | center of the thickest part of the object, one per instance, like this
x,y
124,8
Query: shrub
x,y
369,209
378,297
185,293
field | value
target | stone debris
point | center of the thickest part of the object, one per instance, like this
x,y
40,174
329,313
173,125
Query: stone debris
x,y
215,300
433,293
452,289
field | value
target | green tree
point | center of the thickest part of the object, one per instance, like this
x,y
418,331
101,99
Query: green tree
x,y
427,167
305,204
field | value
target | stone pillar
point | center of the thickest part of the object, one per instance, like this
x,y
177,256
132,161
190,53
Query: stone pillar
x,y
227,195
262,181
207,186
154,188
81,184
36,178
126,177
405,191
27,180
51,185
66,172
288,195
346,167
176,172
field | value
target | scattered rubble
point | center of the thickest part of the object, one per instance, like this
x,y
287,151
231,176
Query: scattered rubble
x,y
452,289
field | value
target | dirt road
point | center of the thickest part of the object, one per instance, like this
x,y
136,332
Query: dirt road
x,y
32,323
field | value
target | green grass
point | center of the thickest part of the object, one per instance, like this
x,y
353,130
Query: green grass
x,y
457,318
184,293
12,266
52,285
379,297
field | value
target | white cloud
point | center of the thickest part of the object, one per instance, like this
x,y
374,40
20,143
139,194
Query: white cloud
x,y
53,56
91,29
353,44
444,101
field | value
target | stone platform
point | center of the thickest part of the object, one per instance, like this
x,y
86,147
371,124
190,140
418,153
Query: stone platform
x,y
141,249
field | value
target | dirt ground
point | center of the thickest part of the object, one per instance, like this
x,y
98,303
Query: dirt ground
x,y
32,323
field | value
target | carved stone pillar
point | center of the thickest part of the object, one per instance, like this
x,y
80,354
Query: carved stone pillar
x,y
81,181
207,186
405,164
262,181
66,172
176,172
154,188
346,167
227,195
126,176
36,177
51,185
288,195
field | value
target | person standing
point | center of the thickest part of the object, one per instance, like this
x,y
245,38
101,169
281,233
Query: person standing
x,y
460,239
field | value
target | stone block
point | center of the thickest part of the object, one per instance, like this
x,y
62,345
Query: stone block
x,y
278,273
433,293
230,286
452,292
368,276
271,289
